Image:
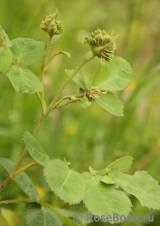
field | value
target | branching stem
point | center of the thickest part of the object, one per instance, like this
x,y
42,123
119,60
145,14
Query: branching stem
x,y
56,102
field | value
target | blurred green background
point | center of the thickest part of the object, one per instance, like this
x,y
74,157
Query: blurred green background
x,y
86,137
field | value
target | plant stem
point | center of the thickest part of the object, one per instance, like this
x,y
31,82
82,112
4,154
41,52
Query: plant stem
x,y
45,59
16,173
84,61
49,44
13,201
54,104
42,102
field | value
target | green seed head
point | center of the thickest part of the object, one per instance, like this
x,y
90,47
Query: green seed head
x,y
102,44
51,25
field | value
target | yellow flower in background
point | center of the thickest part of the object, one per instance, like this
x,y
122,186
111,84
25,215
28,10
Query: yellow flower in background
x,y
158,142
41,191
70,130
132,85
133,31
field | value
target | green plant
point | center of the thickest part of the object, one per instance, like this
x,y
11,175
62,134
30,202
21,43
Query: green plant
x,y
99,190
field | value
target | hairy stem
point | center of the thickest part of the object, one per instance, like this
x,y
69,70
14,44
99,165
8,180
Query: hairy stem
x,y
13,201
84,61
42,102
54,104
49,44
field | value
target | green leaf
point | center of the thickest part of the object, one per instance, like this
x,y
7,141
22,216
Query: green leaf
x,y
37,215
106,179
35,149
110,103
22,180
28,51
23,80
6,41
115,75
87,81
64,53
55,38
67,221
6,59
10,217
3,221
103,199
64,182
64,215
78,79
85,103
141,185
123,164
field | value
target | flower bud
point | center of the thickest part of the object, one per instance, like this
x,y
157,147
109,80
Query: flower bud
x,y
51,25
102,44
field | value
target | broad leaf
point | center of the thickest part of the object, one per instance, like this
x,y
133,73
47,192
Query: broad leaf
x,y
27,51
78,79
37,215
64,182
123,163
6,41
6,59
23,80
107,180
110,103
35,149
115,75
141,185
22,180
103,199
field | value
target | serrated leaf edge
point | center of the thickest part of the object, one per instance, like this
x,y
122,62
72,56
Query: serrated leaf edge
x,y
71,203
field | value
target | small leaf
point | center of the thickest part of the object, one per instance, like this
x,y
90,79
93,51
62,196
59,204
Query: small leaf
x,y
28,51
22,180
123,163
85,103
87,81
37,215
141,185
92,171
23,80
6,59
64,182
115,75
110,103
102,199
65,53
6,41
35,149
106,179
102,172
78,79
55,38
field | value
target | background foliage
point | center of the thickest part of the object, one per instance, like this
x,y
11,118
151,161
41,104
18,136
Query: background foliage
x,y
86,136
